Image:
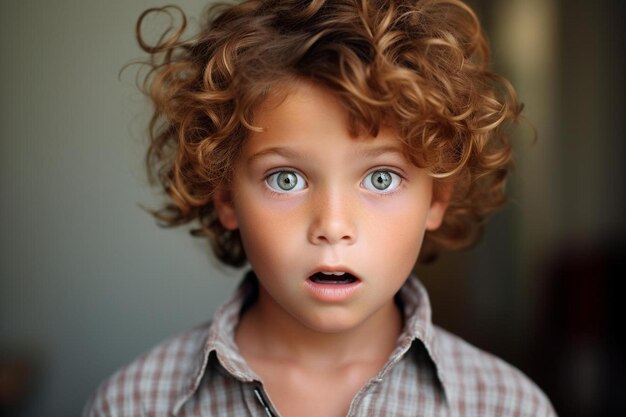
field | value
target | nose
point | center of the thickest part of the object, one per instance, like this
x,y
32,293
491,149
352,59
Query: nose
x,y
333,219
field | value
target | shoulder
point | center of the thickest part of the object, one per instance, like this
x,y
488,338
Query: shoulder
x,y
152,383
481,384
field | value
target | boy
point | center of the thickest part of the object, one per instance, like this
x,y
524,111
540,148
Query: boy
x,y
329,144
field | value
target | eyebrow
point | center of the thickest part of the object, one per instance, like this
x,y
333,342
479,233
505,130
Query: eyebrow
x,y
380,150
276,150
368,152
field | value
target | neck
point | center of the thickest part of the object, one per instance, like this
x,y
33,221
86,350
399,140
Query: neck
x,y
267,330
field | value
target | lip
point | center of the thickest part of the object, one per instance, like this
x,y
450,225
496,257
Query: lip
x,y
333,293
335,268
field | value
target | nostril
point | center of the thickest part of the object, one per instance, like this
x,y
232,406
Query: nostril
x,y
332,229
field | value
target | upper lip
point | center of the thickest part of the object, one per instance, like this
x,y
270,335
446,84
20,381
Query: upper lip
x,y
334,268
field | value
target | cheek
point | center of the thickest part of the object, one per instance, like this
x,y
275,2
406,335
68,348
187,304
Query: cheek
x,y
268,232
269,218
397,231
401,240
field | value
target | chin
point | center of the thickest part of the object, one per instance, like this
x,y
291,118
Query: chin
x,y
332,322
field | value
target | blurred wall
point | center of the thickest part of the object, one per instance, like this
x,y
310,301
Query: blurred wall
x,y
87,280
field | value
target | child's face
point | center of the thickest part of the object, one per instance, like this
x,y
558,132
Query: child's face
x,y
308,198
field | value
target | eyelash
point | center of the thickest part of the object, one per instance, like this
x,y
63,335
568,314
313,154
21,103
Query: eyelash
x,y
401,180
275,192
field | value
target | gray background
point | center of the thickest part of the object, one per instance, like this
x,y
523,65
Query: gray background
x,y
88,281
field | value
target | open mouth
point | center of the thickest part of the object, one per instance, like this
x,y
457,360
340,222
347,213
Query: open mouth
x,y
337,278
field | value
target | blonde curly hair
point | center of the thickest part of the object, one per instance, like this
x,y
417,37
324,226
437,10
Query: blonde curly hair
x,y
421,66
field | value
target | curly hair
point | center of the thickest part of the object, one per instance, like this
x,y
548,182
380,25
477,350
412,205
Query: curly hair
x,y
421,66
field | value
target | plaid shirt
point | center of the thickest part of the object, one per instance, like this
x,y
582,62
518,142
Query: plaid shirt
x,y
430,373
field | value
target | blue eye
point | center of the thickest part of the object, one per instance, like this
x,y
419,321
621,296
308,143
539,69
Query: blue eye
x,y
382,181
285,181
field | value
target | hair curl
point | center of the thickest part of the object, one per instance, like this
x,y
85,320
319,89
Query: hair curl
x,y
420,66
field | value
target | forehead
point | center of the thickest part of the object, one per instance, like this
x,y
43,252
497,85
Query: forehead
x,y
302,110
299,100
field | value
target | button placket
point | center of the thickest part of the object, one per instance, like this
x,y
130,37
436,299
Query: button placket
x,y
259,394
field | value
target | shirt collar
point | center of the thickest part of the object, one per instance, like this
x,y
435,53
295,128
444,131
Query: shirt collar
x,y
418,328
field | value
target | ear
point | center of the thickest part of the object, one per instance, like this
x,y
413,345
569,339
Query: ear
x,y
442,193
223,202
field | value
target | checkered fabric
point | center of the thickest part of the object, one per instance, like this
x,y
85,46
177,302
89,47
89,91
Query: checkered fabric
x,y
430,373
